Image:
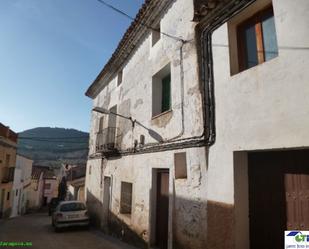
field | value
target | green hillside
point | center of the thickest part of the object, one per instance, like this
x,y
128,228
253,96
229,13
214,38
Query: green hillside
x,y
53,146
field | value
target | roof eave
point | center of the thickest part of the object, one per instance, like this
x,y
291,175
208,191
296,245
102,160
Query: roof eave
x,y
136,31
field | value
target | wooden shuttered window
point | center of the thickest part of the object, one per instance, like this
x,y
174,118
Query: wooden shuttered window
x,y
126,198
166,93
257,40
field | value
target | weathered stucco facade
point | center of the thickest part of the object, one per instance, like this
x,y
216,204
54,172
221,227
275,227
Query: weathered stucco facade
x,y
21,185
8,145
264,108
134,98
252,122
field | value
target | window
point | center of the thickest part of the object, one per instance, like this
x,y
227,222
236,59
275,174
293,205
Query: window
x,y
161,91
11,174
72,207
7,160
8,196
257,41
47,186
156,34
180,162
101,123
119,78
89,170
126,198
16,192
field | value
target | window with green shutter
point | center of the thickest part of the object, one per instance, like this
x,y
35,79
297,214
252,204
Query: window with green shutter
x,y
161,91
166,93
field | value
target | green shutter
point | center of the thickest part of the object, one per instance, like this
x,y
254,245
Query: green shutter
x,y
166,93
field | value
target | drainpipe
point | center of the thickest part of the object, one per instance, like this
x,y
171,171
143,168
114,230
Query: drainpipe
x,y
181,93
222,16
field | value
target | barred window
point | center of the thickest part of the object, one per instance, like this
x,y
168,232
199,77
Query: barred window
x,y
126,198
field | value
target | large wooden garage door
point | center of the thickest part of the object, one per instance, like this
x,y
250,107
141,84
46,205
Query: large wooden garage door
x,y
278,196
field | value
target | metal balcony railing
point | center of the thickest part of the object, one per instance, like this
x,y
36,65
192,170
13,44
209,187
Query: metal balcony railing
x,y
108,140
7,174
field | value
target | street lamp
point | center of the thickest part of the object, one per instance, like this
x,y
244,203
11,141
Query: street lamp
x,y
105,111
151,132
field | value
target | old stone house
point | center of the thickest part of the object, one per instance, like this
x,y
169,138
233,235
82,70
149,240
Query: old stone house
x,y
146,175
200,126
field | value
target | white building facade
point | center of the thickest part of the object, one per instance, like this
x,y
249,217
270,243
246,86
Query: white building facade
x,y
211,148
145,177
21,185
255,68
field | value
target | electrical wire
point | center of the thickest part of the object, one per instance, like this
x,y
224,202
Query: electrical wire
x,y
53,137
141,23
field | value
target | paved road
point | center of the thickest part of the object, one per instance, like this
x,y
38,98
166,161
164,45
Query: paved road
x,y
36,228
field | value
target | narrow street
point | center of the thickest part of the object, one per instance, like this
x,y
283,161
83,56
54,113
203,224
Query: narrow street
x,y
36,228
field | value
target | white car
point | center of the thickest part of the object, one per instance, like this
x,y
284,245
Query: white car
x,y
70,213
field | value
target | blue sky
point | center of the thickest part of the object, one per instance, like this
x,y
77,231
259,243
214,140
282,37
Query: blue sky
x,y
50,52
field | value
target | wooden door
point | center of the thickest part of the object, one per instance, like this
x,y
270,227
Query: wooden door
x,y
278,196
162,209
2,195
106,200
297,190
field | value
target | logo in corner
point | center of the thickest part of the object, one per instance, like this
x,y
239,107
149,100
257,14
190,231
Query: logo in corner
x,y
296,239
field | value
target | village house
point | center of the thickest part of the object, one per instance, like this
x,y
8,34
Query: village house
x,y
50,186
254,66
8,146
44,187
199,133
21,185
36,188
146,173
76,182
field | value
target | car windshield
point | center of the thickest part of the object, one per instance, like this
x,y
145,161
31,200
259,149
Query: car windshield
x,y
75,206
54,201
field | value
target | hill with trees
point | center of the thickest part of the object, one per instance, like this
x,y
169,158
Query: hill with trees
x,y
52,146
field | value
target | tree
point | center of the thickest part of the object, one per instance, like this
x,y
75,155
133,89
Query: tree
x,y
62,189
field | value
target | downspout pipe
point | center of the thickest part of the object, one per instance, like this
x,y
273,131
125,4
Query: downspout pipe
x,y
207,27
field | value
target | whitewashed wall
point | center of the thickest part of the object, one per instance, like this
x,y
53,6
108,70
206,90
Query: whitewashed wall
x,y
187,219
265,107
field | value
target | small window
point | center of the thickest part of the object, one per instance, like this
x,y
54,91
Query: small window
x,y
101,123
126,198
161,91
47,186
8,196
89,170
156,34
11,174
257,40
180,162
119,78
16,192
7,160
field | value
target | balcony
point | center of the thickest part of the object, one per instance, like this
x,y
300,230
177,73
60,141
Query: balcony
x,y
8,175
108,141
